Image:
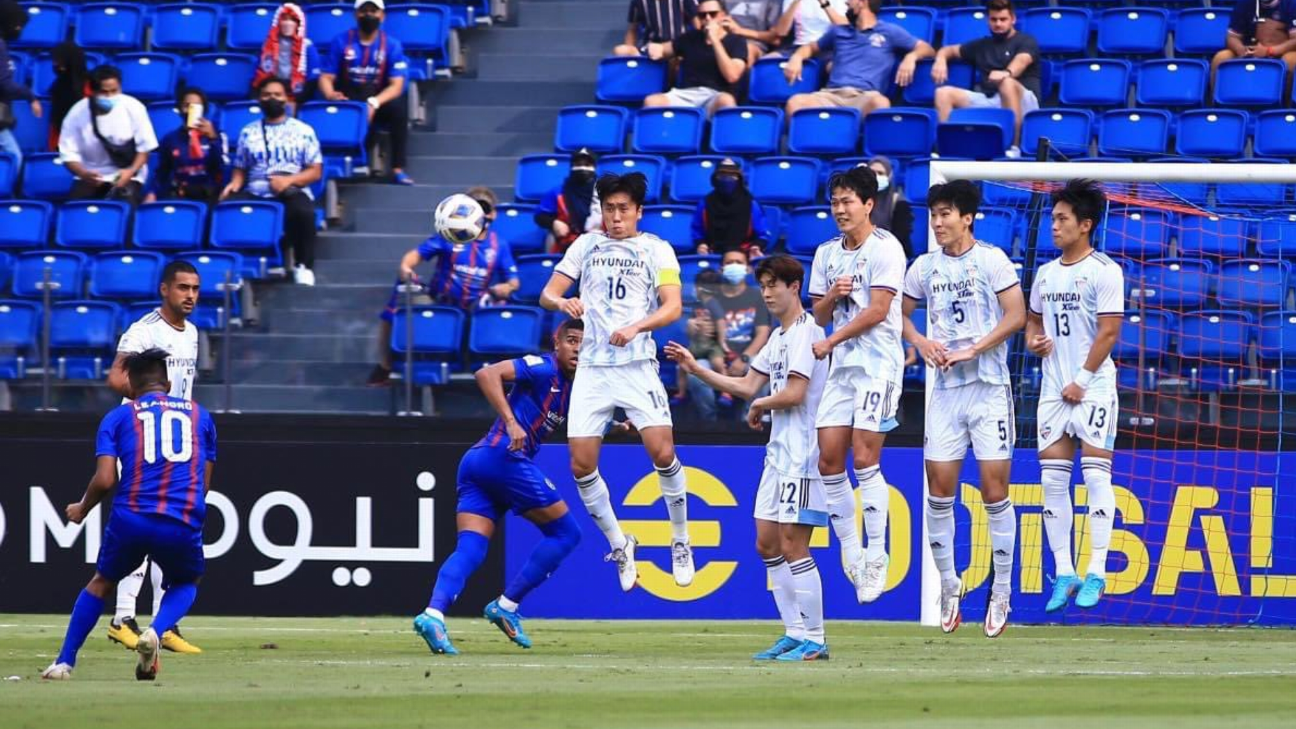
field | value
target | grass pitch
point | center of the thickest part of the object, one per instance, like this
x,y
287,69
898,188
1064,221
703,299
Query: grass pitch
x,y
351,672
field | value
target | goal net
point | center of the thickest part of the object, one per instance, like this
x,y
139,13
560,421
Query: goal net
x,y
1205,483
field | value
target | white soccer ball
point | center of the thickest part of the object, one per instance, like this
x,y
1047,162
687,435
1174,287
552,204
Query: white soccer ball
x,y
459,219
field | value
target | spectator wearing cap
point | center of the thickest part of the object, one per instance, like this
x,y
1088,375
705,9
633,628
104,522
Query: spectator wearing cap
x,y
565,211
366,64
288,54
890,210
191,159
106,140
729,218
1261,29
13,18
655,21
712,60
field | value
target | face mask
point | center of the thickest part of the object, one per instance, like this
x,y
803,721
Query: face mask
x,y
368,23
883,182
582,177
288,28
105,104
851,17
273,108
733,273
726,185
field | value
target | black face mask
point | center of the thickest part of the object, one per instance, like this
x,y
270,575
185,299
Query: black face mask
x,y
273,108
852,17
368,23
582,177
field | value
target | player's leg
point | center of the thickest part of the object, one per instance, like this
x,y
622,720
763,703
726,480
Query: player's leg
x,y
794,540
782,583
177,550
942,484
1056,454
833,421
1095,424
589,413
172,639
875,496
991,425
123,628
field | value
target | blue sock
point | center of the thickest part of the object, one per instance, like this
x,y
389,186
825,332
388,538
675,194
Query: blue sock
x,y
85,614
175,604
470,552
561,537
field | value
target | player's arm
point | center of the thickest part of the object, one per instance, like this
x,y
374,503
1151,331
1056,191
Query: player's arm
x,y
1109,328
670,308
490,380
872,315
103,481
743,388
932,351
792,395
1014,317
1037,341
553,298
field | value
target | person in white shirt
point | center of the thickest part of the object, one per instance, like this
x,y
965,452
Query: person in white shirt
x,y
790,500
854,283
974,304
629,286
167,328
1077,306
808,20
105,141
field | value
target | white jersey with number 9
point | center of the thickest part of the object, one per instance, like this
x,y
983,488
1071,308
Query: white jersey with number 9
x,y
153,332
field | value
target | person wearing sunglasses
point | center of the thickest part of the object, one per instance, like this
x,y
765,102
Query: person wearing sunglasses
x,y
712,61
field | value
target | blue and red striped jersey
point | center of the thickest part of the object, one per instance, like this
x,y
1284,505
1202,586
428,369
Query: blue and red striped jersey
x,y
466,270
539,399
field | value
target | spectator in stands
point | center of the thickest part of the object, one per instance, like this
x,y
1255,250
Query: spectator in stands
x,y
192,158
756,21
712,61
864,54
288,54
13,18
366,64
704,339
481,273
1261,29
71,84
106,140
890,210
565,210
807,21
1007,61
729,218
740,314
655,21
278,158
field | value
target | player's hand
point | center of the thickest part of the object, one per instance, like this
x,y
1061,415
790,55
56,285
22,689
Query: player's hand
x,y
76,512
967,354
622,336
841,288
933,353
1040,345
792,70
822,348
572,307
754,415
1072,394
905,72
939,71
517,436
680,355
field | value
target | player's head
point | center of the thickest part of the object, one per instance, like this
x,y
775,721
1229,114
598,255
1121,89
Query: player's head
x,y
781,279
1077,208
489,203
1000,16
147,372
953,206
567,343
851,194
179,288
622,199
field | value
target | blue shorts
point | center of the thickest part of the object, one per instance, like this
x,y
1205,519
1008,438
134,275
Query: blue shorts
x,y
174,546
492,480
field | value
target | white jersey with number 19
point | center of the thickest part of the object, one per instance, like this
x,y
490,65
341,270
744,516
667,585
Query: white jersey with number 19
x,y
877,264
1070,298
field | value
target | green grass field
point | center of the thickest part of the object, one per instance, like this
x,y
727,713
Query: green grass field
x,y
337,672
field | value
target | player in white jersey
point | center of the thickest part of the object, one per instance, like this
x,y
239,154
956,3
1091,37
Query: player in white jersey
x,y
790,500
1077,305
168,328
854,283
630,286
974,303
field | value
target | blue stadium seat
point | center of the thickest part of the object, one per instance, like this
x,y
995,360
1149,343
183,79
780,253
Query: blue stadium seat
x,y
515,223
149,76
1213,345
1200,31
6,270
691,177
423,29
19,337
785,180
746,130
774,221
537,174
326,22
768,85
1253,194
1250,82
1068,131
186,27
1094,82
1212,133
833,132
1134,132
437,339
690,267
1275,133
900,132
25,223
914,374
533,273
238,114
920,22
1255,283
1173,82
92,224
214,269
1137,232
1276,235
82,337
1015,194
126,275
809,227
1194,192
19,65
917,180
248,24
110,26
1133,31
600,128
1213,235
173,225
45,177
668,130
1058,30
1275,346
963,25
1149,332
671,223
222,76
66,269
505,330
251,228
42,73
47,25
341,127
622,79
1176,283
995,226
982,133
652,167
922,90
8,175
31,131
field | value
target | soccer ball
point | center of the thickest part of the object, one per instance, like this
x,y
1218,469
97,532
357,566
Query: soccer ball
x,y
459,219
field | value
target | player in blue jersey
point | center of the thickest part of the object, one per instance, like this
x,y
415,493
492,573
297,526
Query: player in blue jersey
x,y
167,448
499,473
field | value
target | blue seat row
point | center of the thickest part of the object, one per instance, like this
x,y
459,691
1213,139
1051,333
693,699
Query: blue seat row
x,y
1208,348
435,337
1145,133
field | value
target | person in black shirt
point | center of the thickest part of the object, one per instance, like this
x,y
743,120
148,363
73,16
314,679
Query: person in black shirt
x,y
1260,29
1008,62
712,61
655,21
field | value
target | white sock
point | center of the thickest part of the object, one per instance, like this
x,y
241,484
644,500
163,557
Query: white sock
x,y
874,498
507,604
675,491
435,613
842,508
594,493
1102,511
155,573
940,535
1055,475
128,590
809,595
785,597
1003,542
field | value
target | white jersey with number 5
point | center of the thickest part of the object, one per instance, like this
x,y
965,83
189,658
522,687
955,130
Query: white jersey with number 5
x,y
618,287
794,443
877,264
153,332
1070,298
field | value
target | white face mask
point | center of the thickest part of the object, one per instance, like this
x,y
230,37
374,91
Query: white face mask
x,y
884,182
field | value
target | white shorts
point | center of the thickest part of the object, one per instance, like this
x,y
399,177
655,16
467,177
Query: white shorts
x,y
853,399
700,97
1092,421
978,414
635,387
977,100
785,499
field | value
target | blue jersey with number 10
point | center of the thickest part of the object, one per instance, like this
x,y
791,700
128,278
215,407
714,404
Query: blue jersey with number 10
x,y
539,399
163,444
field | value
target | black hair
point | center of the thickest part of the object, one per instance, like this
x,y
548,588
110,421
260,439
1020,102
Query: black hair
x,y
570,325
746,254
783,268
963,195
196,92
995,5
633,184
176,267
103,73
862,180
1086,198
13,18
272,80
146,368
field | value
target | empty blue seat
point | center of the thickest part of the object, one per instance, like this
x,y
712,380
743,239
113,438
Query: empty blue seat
x,y
1094,82
340,125
1213,345
1276,235
1176,82
1253,194
746,130
1250,82
1137,232
25,223
223,76
42,74
423,29
110,26
88,224
215,268
785,180
8,175
622,79
768,85
600,128
808,228
917,179
45,178
1212,133
505,330
126,275
652,167
1195,192
690,267
236,115
149,76
1058,30
186,27
922,90
534,273
691,177
671,223
920,22
668,130
1133,31
251,228
1200,31
1068,131
1259,283
1134,132
1175,283
248,24
175,225
19,331
1213,235
995,226
1275,341
963,25
537,174
824,132
1147,333
1275,133
66,269
978,133
82,337
47,25
515,223
31,131
326,22
900,132
6,270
